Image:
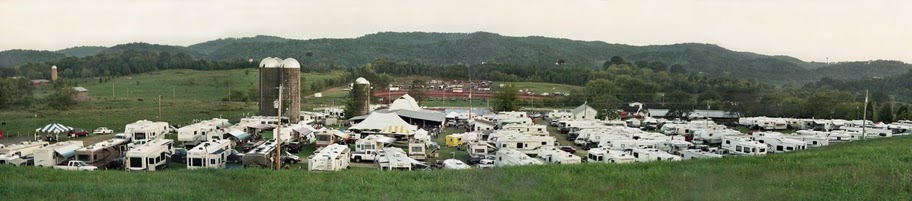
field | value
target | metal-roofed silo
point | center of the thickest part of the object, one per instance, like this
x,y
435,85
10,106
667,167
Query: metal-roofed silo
x,y
291,74
270,75
361,95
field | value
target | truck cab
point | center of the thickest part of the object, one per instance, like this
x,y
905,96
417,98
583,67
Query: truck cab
x,y
76,165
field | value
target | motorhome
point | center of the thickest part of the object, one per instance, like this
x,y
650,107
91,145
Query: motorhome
x,y
697,153
20,154
334,157
417,149
712,136
525,143
513,157
812,140
648,155
779,143
101,154
144,130
193,134
264,120
534,130
455,164
327,137
212,154
739,145
477,149
606,155
54,154
151,156
554,155
393,158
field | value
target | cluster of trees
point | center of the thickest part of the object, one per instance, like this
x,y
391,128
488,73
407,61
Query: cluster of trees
x,y
18,94
127,62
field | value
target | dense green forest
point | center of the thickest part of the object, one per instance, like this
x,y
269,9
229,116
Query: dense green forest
x,y
82,51
446,49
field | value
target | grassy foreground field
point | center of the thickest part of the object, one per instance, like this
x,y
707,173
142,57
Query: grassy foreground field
x,y
868,170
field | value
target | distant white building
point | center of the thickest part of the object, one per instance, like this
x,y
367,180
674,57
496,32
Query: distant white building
x,y
584,112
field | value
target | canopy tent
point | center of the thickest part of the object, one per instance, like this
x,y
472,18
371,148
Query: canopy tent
x,y
452,115
422,134
405,102
54,128
379,121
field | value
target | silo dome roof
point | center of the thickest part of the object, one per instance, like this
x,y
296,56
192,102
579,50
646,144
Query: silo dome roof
x,y
54,66
361,80
270,62
290,63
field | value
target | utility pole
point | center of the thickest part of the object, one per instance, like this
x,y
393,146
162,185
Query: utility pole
x,y
160,108
278,134
864,121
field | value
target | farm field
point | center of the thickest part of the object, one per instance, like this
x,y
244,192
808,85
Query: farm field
x,y
541,87
863,170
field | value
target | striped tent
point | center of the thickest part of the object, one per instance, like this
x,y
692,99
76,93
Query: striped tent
x,y
54,128
398,130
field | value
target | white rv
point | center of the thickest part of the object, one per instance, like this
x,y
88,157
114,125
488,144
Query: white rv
x,y
334,157
417,149
606,155
54,154
712,136
812,140
779,143
696,153
212,154
553,155
102,153
393,158
151,156
512,157
525,143
144,130
454,164
648,155
193,134
742,146
261,156
534,130
20,154
477,149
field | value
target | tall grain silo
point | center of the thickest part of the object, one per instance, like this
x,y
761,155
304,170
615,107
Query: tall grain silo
x,y
361,94
291,74
270,75
54,73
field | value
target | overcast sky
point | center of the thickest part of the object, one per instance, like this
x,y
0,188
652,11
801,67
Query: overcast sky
x,y
812,30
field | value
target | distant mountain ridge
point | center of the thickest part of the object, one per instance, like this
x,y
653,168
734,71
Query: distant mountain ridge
x,y
468,48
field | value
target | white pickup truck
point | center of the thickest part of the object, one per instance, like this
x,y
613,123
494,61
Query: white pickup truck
x,y
76,165
369,155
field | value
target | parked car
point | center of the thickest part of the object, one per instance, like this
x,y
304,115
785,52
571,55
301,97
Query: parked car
x,y
103,130
568,149
77,133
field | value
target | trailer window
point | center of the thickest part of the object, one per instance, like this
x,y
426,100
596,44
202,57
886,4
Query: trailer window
x,y
212,161
544,143
196,162
519,145
83,157
151,160
762,150
136,162
778,147
789,148
738,148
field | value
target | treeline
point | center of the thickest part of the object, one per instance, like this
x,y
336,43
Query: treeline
x,y
680,90
118,64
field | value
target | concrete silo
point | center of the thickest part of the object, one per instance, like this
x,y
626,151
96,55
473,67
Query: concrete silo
x,y
361,95
291,76
270,75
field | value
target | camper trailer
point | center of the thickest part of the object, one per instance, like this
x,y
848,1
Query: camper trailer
x,y
334,157
54,154
454,164
393,158
606,155
193,134
691,154
534,130
327,137
712,136
151,156
20,154
101,154
144,130
556,156
812,140
512,157
779,143
417,149
212,154
261,156
477,149
648,155
742,146
525,143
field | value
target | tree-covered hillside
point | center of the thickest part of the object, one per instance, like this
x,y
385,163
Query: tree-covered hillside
x,y
82,51
154,48
12,58
211,46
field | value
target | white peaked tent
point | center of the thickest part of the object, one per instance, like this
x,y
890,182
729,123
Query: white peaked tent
x,y
54,128
405,102
383,121
452,115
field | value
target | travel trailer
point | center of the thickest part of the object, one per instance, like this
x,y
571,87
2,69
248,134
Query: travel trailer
x,y
212,154
697,153
525,143
20,154
554,155
101,154
193,134
534,130
477,149
54,154
742,146
712,136
648,155
606,155
417,149
812,140
151,156
513,157
779,143
334,157
393,158
144,130
454,164
261,156
327,137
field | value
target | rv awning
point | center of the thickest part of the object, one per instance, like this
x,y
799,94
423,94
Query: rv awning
x,y
304,129
240,135
68,150
342,134
218,151
260,126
